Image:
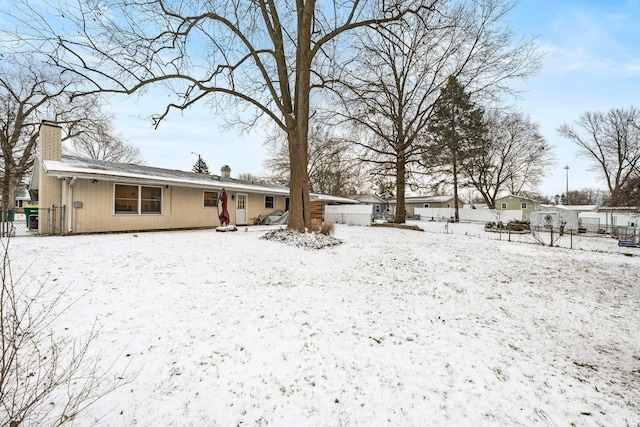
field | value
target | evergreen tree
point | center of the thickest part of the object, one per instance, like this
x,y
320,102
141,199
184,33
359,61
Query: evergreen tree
x,y
455,130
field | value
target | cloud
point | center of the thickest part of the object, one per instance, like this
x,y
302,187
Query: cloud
x,y
594,40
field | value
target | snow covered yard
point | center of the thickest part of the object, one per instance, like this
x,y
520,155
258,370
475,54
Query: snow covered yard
x,y
392,327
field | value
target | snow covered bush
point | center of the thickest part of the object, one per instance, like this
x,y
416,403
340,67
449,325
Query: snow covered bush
x,y
302,240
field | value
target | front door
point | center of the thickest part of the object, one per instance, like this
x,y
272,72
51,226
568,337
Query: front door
x,y
241,209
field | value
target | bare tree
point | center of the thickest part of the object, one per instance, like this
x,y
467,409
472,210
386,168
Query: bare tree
x,y
611,141
332,169
587,196
30,92
45,379
249,177
99,141
396,80
265,54
512,156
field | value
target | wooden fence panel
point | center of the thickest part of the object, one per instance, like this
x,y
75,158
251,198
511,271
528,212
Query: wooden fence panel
x,y
316,209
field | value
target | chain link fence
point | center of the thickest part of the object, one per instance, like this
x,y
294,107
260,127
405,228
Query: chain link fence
x,y
26,222
569,239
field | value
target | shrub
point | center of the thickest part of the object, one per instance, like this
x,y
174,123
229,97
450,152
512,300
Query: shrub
x,y
45,379
316,225
515,225
322,227
328,228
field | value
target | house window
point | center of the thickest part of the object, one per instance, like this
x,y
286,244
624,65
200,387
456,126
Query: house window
x,y
269,202
503,205
426,205
523,205
210,199
151,200
137,200
377,208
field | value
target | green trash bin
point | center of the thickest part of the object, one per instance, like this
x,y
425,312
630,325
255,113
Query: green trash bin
x,y
11,214
28,211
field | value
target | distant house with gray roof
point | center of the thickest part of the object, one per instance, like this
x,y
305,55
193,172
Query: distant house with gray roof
x,y
411,203
380,205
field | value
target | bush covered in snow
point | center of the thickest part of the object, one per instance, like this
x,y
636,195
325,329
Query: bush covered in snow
x,y
301,240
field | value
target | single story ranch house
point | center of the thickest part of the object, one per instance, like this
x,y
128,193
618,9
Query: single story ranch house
x,y
78,195
437,202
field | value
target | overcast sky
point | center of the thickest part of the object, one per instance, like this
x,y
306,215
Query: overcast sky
x,y
592,63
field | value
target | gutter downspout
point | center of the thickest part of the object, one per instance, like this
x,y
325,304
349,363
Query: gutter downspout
x,y
70,210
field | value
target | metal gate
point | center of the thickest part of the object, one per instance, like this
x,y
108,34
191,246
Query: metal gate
x,y
18,222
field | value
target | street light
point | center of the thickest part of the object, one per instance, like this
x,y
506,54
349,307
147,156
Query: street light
x,y
566,194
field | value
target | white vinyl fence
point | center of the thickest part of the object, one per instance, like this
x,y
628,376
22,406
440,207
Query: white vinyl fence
x,y
349,214
469,215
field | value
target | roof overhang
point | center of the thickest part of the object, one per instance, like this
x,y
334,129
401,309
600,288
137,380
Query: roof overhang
x,y
61,170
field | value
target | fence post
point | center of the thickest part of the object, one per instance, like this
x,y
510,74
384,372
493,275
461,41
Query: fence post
x,y
63,216
570,239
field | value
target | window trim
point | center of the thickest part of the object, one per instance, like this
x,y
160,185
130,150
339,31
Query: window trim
x,y
139,201
523,205
503,205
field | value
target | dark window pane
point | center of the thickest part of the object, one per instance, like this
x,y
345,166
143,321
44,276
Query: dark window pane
x,y
151,201
126,199
210,199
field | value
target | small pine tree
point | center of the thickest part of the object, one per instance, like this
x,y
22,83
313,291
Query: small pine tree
x,y
200,166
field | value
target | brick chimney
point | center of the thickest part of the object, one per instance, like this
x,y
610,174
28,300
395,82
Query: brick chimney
x,y
225,171
49,148
50,141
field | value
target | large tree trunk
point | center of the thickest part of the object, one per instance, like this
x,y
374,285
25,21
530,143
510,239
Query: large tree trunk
x,y
401,217
455,182
299,211
9,191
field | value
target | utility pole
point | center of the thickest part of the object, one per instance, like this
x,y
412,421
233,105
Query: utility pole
x,y
566,194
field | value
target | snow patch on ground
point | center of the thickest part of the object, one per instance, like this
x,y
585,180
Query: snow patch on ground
x,y
389,328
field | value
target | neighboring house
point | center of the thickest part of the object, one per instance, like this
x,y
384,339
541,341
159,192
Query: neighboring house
x,y
100,196
410,203
379,204
324,200
22,199
512,202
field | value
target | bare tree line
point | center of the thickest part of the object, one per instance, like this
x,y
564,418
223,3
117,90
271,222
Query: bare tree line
x,y
31,91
